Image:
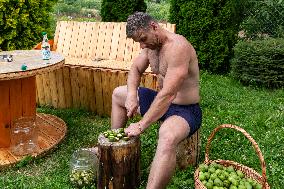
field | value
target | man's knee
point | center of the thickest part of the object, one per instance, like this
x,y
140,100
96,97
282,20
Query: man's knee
x,y
119,93
167,141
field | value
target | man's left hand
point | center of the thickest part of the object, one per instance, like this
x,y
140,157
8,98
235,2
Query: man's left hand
x,y
134,129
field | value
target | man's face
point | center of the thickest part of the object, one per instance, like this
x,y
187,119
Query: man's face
x,y
146,38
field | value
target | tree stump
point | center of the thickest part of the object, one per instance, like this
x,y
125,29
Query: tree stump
x,y
188,151
119,163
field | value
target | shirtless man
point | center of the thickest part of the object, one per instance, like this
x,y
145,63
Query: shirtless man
x,y
174,60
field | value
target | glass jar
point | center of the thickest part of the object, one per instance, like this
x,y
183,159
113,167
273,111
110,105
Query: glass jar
x,y
83,168
23,136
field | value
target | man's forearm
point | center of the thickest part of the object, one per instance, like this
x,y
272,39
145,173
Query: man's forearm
x,y
157,109
133,81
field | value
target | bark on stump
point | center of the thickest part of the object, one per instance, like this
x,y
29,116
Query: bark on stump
x,y
188,151
119,163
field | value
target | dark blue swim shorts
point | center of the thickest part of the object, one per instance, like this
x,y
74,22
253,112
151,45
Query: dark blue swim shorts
x,y
191,113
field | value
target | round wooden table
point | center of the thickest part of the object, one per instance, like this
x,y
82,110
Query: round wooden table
x,y
18,96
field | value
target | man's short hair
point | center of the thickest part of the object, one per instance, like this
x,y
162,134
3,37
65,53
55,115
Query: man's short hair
x,y
137,21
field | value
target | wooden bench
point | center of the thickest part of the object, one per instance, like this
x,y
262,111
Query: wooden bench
x,y
97,59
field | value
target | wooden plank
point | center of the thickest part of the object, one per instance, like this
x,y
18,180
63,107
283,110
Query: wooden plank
x,y
46,89
4,114
122,78
115,38
74,40
75,86
82,88
94,37
86,30
113,84
128,50
16,101
53,89
98,91
60,88
149,81
106,90
29,96
101,38
122,42
107,42
67,87
40,90
91,100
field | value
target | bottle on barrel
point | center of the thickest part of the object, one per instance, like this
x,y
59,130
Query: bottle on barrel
x,y
45,47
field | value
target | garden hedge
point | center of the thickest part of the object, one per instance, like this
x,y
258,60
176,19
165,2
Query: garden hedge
x,y
119,10
212,28
22,22
260,62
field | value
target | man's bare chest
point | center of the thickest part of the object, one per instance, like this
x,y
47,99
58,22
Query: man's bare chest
x,y
158,63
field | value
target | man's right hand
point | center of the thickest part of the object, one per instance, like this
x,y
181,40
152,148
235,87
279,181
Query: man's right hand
x,y
131,104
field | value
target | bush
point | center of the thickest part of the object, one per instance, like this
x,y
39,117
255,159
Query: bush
x,y
119,10
159,11
22,23
265,18
212,27
260,62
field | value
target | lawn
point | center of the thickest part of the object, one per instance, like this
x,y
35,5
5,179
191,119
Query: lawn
x,y
259,111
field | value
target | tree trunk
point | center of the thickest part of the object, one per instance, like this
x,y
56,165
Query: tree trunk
x,y
188,151
119,166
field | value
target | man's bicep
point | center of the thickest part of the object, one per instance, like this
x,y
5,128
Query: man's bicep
x,y
141,62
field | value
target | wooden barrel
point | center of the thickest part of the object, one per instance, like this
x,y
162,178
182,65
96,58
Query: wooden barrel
x,y
119,163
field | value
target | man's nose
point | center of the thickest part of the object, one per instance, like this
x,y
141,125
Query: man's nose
x,y
142,45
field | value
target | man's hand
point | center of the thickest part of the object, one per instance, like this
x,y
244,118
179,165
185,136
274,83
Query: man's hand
x,y
131,105
134,129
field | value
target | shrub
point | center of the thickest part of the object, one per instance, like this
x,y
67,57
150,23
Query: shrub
x,y
22,22
119,10
260,62
212,27
265,18
159,11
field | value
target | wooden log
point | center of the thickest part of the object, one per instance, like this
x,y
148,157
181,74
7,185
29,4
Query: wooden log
x,y
188,151
119,164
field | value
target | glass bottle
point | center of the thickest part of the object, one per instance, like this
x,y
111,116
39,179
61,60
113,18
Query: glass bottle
x,y
24,136
83,168
45,47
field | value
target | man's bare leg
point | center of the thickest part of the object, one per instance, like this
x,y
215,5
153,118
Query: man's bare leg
x,y
118,110
172,131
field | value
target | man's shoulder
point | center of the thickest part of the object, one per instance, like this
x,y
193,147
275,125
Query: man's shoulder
x,y
178,42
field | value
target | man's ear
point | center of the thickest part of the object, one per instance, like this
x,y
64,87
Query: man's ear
x,y
153,25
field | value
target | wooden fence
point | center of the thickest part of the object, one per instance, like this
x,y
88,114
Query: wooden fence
x,y
82,87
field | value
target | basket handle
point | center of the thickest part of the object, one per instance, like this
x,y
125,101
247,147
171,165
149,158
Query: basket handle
x,y
257,149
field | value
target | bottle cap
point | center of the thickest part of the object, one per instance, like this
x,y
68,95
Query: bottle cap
x,y
43,33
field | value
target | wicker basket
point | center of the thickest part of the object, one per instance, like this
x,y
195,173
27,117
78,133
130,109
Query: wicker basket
x,y
249,172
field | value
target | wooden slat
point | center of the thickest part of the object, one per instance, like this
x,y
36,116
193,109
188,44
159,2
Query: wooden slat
x,y
75,86
67,87
40,90
29,96
94,37
101,38
82,88
107,42
91,100
122,43
122,78
106,90
60,88
47,92
16,101
115,41
4,114
53,89
98,91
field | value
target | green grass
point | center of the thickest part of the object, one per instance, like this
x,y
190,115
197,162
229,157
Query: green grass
x,y
258,111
